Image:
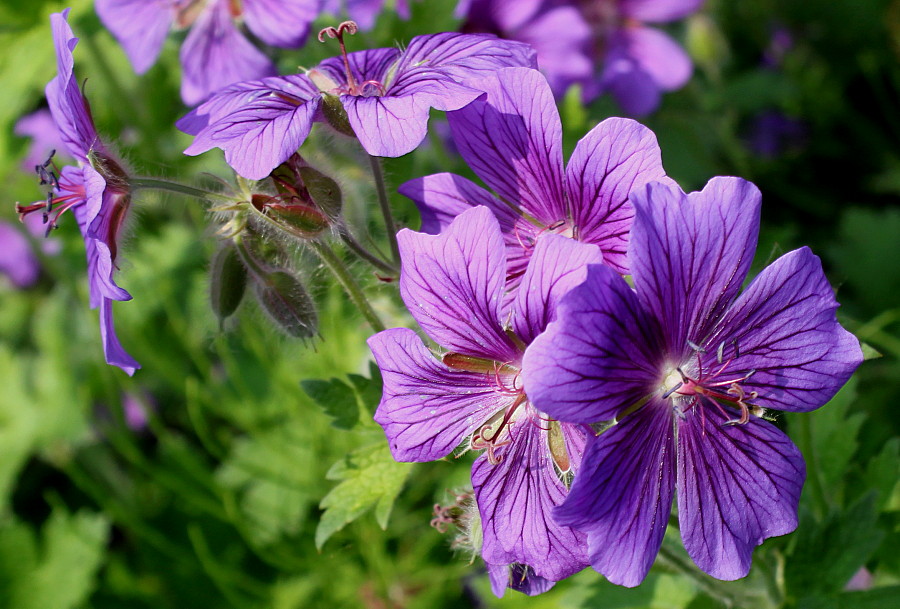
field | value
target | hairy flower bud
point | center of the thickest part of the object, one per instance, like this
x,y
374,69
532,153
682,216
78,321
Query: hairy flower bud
x,y
291,214
286,301
323,191
228,280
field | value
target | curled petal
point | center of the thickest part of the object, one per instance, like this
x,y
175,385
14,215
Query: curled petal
x,y
428,409
737,486
112,349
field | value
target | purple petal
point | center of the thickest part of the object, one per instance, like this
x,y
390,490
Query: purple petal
x,y
515,498
371,64
561,37
557,265
658,55
491,16
428,409
633,88
215,54
452,284
112,349
598,358
282,23
140,26
41,128
518,577
785,329
395,124
364,12
622,497
17,259
513,141
465,56
737,486
615,158
658,11
689,254
258,124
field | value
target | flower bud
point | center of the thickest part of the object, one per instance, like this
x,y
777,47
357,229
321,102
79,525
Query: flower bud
x,y
296,217
228,280
287,303
336,115
323,191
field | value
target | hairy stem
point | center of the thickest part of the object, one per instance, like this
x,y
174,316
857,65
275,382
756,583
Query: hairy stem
x,y
349,284
385,205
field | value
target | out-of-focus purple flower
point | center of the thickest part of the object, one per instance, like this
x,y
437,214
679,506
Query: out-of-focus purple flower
x,y
38,126
215,53
384,95
364,12
771,133
683,366
17,258
637,63
512,139
134,409
96,191
452,284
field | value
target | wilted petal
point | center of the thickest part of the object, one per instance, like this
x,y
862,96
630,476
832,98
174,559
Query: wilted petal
x,y
513,141
622,496
520,578
557,265
515,498
258,124
784,328
658,55
690,253
452,284
215,54
282,23
140,26
428,409
737,486
112,349
658,11
599,356
465,57
395,124
615,158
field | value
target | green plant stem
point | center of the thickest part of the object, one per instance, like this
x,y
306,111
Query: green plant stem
x,y
349,284
184,189
671,559
385,205
358,249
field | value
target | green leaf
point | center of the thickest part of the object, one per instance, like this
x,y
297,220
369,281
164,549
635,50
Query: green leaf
x,y
342,402
870,352
876,598
369,477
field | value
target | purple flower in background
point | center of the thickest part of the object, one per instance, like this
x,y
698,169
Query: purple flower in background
x,y
684,367
96,191
365,12
637,63
215,53
513,141
385,95
41,128
452,284
17,258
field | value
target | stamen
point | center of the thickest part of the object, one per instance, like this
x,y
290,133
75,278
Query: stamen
x,y
672,390
351,28
696,347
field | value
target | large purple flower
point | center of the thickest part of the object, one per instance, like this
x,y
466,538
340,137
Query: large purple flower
x,y
513,141
636,62
96,191
215,53
385,94
684,368
452,284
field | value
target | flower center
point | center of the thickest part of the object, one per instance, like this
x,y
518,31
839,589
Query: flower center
x,y
325,84
62,195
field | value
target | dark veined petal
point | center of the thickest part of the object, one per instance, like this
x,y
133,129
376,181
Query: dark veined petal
x,y
622,496
428,409
371,64
396,123
557,265
283,23
215,54
515,498
599,356
258,124
465,57
519,577
140,26
443,196
112,349
784,327
513,141
452,284
737,486
689,254
658,10
614,159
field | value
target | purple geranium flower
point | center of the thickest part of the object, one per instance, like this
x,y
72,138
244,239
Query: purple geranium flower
x,y
17,258
365,12
452,284
385,94
96,191
513,141
571,36
684,367
215,53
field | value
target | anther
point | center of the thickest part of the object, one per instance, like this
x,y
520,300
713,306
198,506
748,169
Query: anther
x,y
696,347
